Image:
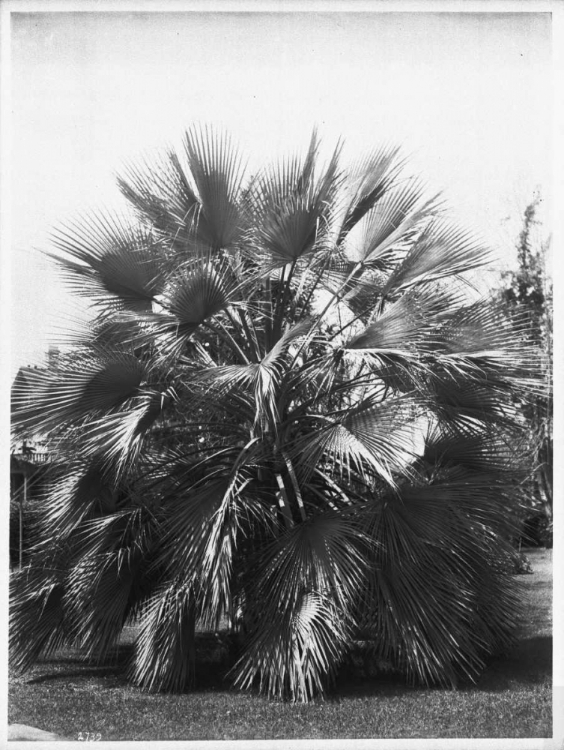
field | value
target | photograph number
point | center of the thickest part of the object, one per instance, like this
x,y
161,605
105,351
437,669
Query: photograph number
x,y
89,736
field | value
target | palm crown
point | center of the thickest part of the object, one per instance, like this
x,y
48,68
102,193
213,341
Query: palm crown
x,y
286,415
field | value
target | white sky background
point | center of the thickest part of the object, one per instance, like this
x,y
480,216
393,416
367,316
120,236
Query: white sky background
x,y
468,94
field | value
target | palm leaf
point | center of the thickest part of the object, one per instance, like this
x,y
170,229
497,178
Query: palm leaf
x,y
217,171
479,450
204,516
164,649
401,326
36,611
432,613
94,382
110,261
164,199
482,333
261,379
307,580
442,250
83,491
292,208
373,437
100,589
117,438
199,292
463,395
96,601
393,219
196,202
409,324
368,180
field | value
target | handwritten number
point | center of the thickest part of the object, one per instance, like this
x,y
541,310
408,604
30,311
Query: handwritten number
x,y
89,736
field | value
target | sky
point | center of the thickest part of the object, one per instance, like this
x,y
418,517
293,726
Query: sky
x,y
467,95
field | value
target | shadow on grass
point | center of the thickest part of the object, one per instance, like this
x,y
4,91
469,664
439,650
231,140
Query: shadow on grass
x,y
82,671
529,663
387,685
210,673
66,666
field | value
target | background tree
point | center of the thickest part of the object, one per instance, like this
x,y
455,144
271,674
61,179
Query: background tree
x,y
286,417
529,289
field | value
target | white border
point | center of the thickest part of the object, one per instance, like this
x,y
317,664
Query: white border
x,y
556,7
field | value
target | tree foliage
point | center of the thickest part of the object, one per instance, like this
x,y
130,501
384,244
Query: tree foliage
x,y
529,289
287,417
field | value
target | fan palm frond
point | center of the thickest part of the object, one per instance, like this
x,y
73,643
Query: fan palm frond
x,y
378,436
198,293
480,450
92,383
163,199
110,261
261,379
37,623
393,218
117,438
370,179
483,334
401,326
217,170
442,250
292,207
96,602
165,646
203,526
82,492
307,585
434,544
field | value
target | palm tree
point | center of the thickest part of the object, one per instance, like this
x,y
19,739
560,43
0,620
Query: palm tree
x,y
287,415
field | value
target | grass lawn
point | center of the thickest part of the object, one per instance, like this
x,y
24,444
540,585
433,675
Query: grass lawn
x,y
512,699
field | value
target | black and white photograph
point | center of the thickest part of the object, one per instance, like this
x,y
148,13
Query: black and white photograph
x,y
278,324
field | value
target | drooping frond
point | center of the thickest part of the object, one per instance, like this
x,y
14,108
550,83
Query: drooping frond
x,y
117,438
309,579
36,615
204,516
430,590
96,602
164,649
92,383
80,493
